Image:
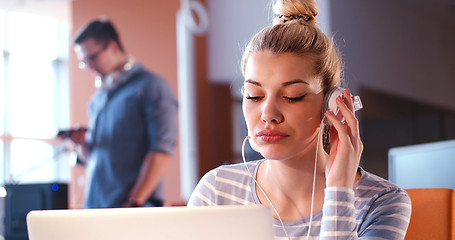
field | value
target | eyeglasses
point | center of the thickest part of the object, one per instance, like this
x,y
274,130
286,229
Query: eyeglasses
x,y
91,58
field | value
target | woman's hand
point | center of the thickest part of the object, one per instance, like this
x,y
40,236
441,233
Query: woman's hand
x,y
346,145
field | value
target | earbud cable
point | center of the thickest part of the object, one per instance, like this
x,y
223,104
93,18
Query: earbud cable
x,y
314,177
313,188
260,188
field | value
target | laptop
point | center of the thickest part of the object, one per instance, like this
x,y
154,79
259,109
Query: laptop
x,y
240,222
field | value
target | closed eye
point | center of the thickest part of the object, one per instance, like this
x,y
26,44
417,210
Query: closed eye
x,y
295,99
254,99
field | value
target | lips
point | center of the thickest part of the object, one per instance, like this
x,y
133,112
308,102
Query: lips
x,y
271,136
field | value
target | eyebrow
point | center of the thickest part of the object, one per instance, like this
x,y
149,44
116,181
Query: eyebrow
x,y
284,84
253,82
294,82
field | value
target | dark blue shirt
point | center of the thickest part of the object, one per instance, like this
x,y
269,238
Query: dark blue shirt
x,y
136,117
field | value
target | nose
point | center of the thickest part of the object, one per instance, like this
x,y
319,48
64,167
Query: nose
x,y
271,112
93,67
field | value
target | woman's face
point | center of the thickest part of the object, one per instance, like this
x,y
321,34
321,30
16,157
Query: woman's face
x,y
282,102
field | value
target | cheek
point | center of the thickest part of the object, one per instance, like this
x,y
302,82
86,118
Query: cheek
x,y
246,113
305,120
249,117
249,114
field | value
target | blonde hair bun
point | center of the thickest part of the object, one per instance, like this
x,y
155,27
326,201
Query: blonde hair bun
x,y
289,10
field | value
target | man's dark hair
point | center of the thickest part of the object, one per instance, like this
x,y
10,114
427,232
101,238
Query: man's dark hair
x,y
103,31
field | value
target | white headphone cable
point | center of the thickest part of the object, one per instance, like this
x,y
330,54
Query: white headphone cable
x,y
260,188
314,178
313,187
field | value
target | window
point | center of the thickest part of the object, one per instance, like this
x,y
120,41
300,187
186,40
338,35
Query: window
x,y
34,97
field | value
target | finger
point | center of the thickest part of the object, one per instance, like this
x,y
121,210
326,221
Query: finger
x,y
348,99
339,126
349,116
333,140
346,102
351,126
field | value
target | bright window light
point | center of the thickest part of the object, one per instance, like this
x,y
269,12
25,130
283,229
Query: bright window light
x,y
33,97
32,44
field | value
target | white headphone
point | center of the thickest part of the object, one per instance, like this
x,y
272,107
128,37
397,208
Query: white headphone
x,y
113,78
329,103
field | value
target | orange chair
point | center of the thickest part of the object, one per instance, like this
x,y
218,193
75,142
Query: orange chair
x,y
433,214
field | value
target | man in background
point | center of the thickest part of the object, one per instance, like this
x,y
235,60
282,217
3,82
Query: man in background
x,y
132,125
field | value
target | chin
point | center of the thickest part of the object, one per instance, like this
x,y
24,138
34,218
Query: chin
x,y
271,152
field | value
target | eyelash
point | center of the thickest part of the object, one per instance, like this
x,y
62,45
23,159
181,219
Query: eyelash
x,y
254,99
290,100
296,99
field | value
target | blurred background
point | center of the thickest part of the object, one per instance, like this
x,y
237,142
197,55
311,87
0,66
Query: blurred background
x,y
399,56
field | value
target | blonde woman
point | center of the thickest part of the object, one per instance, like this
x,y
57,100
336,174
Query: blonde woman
x,y
314,191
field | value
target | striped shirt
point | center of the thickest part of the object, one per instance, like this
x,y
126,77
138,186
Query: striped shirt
x,y
374,209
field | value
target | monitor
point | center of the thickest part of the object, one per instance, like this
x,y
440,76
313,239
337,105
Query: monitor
x,y
429,165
